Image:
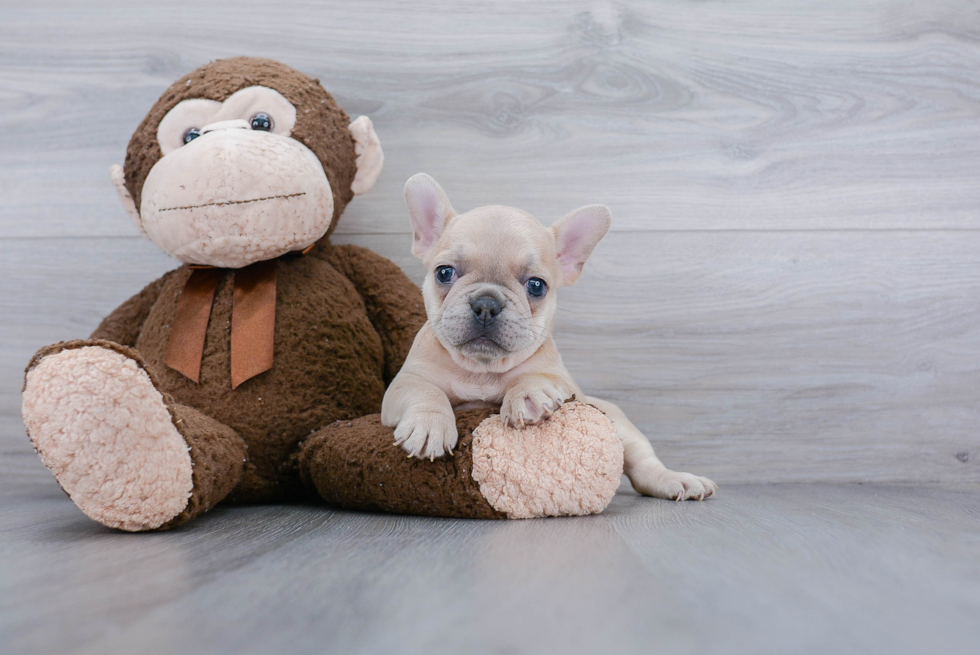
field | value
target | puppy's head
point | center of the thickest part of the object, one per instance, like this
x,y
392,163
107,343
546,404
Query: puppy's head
x,y
491,273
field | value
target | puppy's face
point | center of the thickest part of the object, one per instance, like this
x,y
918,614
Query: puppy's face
x,y
489,284
492,273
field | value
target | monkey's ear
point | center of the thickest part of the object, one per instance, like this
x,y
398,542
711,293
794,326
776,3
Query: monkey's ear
x,y
370,156
429,210
119,181
576,234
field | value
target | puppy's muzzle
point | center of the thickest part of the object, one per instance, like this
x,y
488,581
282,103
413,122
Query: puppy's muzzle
x,y
485,309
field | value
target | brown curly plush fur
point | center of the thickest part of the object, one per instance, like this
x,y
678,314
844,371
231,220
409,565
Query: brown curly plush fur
x,y
355,464
330,362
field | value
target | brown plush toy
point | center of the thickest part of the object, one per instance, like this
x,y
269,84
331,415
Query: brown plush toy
x,y
208,384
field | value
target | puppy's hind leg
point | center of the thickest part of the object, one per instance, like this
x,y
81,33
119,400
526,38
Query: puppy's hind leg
x,y
646,472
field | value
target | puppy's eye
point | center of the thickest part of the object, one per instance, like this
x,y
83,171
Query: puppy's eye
x,y
445,274
191,134
536,287
262,122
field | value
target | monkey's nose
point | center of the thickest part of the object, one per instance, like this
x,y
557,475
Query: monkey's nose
x,y
235,124
485,309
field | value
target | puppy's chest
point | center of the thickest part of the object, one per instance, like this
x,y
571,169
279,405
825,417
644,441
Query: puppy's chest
x,y
477,388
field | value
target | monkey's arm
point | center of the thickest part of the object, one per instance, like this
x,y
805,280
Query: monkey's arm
x,y
124,324
394,303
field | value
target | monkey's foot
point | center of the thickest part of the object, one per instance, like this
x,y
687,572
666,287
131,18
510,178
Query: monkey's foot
x,y
99,423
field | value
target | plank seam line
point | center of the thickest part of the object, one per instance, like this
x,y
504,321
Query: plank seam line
x,y
939,230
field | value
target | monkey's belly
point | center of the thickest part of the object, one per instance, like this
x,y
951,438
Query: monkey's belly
x,y
328,366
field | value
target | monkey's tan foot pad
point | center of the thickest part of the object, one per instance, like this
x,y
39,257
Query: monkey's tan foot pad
x,y
567,465
99,423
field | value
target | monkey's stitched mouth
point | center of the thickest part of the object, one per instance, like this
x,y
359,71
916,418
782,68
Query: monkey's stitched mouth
x,y
235,202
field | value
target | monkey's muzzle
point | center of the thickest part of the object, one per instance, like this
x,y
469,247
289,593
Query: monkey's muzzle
x,y
232,197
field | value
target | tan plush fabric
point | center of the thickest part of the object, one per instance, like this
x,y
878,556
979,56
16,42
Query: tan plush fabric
x,y
282,199
568,465
370,156
98,422
241,105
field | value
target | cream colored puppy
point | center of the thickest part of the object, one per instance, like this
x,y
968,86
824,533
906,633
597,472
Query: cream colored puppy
x,y
489,294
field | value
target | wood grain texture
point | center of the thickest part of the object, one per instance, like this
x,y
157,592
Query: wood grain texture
x,y
790,291
679,115
761,569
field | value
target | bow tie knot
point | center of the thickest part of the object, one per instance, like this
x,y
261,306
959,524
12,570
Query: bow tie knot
x,y
253,321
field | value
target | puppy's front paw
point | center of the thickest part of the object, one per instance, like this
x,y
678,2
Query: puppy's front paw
x,y
427,434
660,482
531,404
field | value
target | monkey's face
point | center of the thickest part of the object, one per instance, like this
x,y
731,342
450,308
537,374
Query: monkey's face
x,y
231,181
233,187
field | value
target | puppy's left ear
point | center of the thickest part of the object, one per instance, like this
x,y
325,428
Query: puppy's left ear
x,y
370,156
576,234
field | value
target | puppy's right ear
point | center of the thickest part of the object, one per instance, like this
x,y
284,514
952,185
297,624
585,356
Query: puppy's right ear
x,y
430,211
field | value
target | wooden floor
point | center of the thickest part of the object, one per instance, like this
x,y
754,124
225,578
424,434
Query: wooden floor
x,y
762,569
790,294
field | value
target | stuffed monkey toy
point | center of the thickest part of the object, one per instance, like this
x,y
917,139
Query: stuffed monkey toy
x,y
251,372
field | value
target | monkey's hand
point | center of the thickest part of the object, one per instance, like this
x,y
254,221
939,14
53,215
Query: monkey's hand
x,y
532,398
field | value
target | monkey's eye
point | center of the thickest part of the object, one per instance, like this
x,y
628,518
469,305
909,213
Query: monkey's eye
x,y
191,134
445,274
262,121
536,287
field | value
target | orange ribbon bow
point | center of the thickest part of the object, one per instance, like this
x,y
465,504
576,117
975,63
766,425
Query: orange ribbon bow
x,y
253,321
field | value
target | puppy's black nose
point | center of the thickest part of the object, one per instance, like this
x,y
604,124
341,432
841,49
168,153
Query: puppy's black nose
x,y
485,309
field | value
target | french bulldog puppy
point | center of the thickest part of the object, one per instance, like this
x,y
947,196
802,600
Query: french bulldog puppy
x,y
490,298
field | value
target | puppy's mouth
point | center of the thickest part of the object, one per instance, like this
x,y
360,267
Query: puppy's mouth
x,y
484,347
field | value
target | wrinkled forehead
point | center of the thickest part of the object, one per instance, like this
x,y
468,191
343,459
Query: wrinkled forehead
x,y
502,242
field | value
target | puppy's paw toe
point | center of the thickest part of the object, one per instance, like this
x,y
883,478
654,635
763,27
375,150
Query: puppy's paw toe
x,y
531,406
427,434
673,485
710,488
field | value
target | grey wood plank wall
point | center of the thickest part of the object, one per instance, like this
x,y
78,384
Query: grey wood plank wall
x,y
791,289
